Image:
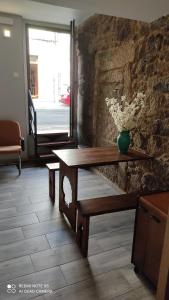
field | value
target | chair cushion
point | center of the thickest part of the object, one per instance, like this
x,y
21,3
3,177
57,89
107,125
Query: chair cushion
x,y
10,133
10,149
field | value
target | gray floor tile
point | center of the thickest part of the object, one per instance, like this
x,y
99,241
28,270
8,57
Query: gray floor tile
x,y
85,290
5,196
10,236
105,286
8,212
48,214
136,294
52,277
60,237
43,228
15,267
109,260
53,257
104,262
34,207
115,239
23,247
18,221
12,203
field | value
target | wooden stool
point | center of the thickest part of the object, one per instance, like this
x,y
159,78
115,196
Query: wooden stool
x,y
98,206
52,167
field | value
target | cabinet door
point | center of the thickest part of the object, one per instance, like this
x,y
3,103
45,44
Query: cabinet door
x,y
167,289
156,230
140,238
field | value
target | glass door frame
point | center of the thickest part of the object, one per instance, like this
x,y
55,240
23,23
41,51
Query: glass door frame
x,y
59,29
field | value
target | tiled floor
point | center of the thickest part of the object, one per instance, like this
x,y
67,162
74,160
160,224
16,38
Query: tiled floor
x,y
37,247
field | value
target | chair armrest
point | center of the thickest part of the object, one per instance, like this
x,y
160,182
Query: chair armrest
x,y
22,143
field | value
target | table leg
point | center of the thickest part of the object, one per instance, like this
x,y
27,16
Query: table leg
x,y
68,209
52,185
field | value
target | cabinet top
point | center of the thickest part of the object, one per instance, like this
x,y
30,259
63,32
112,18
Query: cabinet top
x,y
160,201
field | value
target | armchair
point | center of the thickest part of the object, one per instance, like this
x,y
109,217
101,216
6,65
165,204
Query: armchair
x,y
11,141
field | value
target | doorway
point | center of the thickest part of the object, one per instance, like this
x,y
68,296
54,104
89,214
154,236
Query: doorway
x,y
49,78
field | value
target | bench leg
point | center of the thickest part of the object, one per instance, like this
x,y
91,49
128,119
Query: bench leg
x,y
82,233
52,185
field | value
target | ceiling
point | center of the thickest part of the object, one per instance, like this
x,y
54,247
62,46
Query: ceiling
x,y
33,10
62,11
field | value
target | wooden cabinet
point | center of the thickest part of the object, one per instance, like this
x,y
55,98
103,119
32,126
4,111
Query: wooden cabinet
x,y
149,232
163,281
154,246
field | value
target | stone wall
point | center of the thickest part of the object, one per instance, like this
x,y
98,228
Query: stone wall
x,y
119,56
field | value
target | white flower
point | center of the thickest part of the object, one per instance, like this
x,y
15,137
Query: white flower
x,y
126,114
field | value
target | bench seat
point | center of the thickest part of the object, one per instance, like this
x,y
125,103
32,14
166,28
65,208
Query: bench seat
x,y
53,166
98,206
103,205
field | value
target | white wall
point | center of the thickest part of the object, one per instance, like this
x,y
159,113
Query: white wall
x,y
13,98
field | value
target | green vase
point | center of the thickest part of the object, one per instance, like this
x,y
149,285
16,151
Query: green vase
x,y
123,141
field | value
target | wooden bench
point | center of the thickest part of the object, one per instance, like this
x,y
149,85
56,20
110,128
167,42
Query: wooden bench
x,y
52,167
98,206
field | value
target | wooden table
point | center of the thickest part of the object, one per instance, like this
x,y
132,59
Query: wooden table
x,y
72,159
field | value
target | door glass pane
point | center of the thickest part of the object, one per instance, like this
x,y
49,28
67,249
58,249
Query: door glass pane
x,y
49,57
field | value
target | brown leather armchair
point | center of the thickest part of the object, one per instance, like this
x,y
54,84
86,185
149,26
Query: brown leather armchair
x,y
11,141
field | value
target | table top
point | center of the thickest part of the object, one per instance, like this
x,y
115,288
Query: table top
x,y
99,156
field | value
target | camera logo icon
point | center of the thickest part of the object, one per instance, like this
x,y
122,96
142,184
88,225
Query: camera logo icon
x,y
11,288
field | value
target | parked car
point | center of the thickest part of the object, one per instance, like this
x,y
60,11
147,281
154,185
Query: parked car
x,y
65,99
